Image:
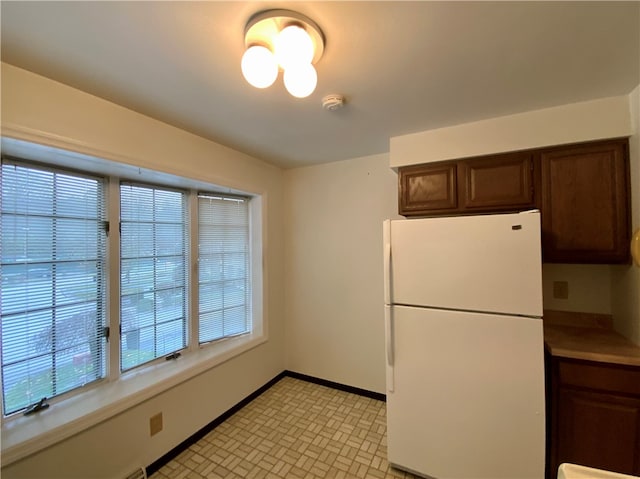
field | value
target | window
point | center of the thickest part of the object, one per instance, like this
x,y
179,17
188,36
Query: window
x,y
53,283
224,286
171,272
152,273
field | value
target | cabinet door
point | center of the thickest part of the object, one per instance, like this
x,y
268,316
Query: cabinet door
x,y
585,203
427,189
598,430
497,183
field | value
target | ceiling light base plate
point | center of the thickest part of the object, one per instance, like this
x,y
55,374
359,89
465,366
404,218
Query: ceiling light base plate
x,y
263,27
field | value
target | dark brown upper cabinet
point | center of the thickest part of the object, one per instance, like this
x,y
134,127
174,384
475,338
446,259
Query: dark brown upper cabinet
x,y
485,184
582,191
496,183
585,203
428,189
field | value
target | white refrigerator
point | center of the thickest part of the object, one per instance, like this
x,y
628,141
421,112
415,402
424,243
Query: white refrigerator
x,y
464,346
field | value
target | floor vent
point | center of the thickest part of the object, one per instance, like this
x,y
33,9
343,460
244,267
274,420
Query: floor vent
x,y
139,473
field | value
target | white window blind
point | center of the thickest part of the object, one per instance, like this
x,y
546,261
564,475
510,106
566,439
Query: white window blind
x,y
53,282
224,273
153,298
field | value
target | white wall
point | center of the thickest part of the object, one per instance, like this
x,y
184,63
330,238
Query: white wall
x,y
576,122
589,287
38,109
626,279
333,278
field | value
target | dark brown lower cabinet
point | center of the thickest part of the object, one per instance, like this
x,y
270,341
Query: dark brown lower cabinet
x,y
595,416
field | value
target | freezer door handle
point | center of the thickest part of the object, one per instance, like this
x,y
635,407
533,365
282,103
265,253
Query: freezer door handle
x,y
388,323
387,261
387,271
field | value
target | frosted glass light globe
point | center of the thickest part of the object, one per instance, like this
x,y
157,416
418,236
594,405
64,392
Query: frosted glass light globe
x,y
300,81
293,46
259,66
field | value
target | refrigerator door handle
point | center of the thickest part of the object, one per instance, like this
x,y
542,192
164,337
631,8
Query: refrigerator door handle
x,y
388,313
388,323
387,261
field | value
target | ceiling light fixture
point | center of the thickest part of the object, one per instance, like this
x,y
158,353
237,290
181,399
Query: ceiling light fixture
x,y
282,39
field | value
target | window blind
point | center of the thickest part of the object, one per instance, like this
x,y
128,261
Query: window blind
x,y
53,282
223,273
153,243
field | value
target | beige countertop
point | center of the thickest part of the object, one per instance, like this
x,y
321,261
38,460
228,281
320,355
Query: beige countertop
x,y
589,337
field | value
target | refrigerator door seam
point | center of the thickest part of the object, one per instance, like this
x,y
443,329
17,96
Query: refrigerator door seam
x,y
439,308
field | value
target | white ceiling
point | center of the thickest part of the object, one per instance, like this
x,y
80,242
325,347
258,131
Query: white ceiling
x,y
403,66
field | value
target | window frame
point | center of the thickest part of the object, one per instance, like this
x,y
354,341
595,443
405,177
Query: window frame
x,y
187,280
101,289
248,283
75,411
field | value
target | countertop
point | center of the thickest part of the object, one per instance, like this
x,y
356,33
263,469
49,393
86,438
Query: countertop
x,y
589,337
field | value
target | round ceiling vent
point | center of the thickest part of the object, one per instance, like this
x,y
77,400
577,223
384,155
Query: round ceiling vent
x,y
333,102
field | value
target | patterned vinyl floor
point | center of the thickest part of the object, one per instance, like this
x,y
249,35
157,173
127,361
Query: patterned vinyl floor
x,y
296,429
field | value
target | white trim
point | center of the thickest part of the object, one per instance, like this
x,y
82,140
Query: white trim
x,y
67,151
113,284
192,271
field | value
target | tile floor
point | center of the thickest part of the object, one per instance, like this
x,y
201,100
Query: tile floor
x,y
296,429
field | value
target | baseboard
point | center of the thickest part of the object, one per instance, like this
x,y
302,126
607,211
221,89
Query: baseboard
x,y
334,385
156,465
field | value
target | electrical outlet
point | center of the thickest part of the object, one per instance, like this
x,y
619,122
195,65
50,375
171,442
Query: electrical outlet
x,y
561,290
155,424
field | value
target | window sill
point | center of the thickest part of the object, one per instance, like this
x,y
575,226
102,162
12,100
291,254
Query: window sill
x,y
23,436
